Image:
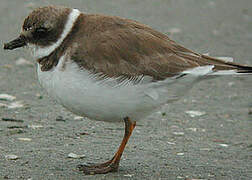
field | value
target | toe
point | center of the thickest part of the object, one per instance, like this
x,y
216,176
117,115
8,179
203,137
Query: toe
x,y
89,170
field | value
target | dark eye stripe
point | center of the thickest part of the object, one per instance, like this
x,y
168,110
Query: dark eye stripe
x,y
41,30
40,33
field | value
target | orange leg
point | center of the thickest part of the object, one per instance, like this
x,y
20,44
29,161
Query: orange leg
x,y
113,164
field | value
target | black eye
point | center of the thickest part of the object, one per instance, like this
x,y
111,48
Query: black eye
x,y
40,33
27,28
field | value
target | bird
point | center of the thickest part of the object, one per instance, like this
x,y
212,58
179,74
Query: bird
x,y
112,69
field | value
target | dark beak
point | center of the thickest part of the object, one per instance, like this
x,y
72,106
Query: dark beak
x,y
16,43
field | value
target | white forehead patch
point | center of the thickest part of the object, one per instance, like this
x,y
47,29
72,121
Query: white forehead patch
x,y
40,52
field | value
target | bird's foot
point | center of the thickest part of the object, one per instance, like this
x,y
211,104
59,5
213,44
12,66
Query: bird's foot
x,y
103,168
113,164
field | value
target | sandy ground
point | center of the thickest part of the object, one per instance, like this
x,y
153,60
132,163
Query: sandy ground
x,y
167,145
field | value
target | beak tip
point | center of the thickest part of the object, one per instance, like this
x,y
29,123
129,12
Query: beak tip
x,y
16,43
5,46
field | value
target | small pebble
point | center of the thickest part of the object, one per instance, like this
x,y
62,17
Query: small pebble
x,y
15,105
223,145
11,157
78,117
24,139
195,113
83,133
128,175
7,97
34,126
211,175
75,156
179,133
171,143
60,118
180,177
192,129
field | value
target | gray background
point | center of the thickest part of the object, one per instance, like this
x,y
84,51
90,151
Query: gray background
x,y
220,27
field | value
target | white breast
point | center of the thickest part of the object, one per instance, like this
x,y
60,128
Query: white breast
x,y
81,93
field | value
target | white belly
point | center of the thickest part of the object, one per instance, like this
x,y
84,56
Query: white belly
x,y
81,93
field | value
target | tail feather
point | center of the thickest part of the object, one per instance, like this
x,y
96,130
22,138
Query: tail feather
x,y
215,66
226,67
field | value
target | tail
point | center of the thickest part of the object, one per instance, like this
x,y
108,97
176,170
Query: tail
x,y
215,66
223,67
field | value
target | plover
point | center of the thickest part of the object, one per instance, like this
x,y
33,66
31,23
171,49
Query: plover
x,y
109,68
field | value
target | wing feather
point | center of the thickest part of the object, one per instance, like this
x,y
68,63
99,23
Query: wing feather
x,y
118,47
